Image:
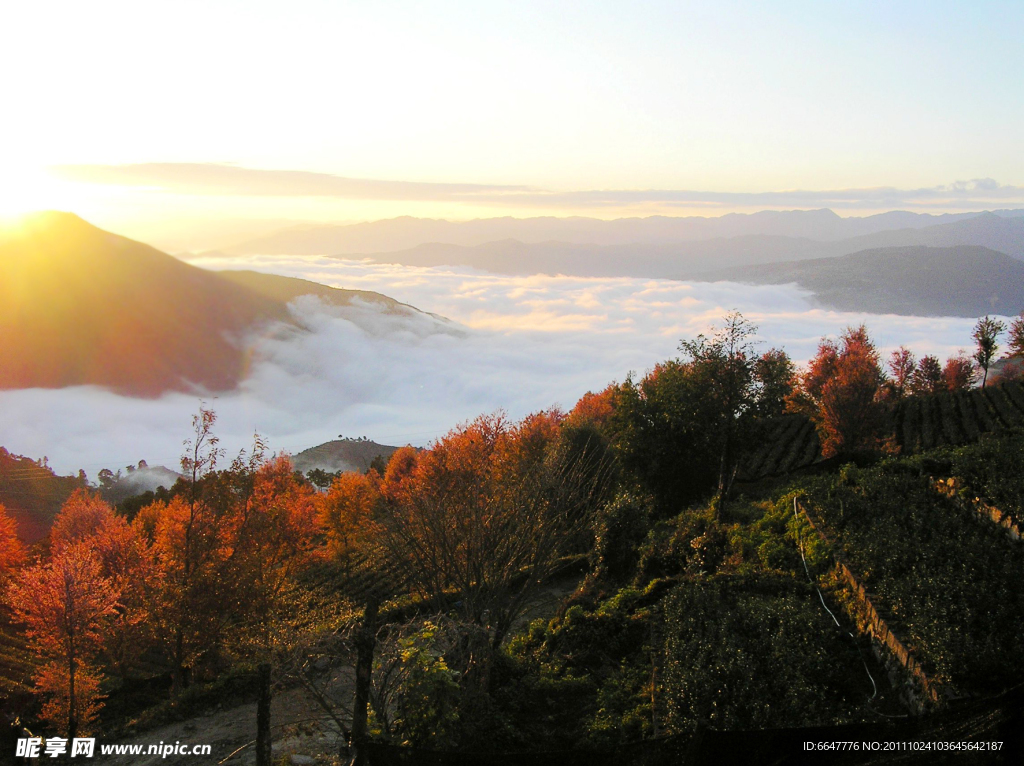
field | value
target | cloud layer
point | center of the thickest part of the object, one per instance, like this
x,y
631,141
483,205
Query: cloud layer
x,y
522,344
232,180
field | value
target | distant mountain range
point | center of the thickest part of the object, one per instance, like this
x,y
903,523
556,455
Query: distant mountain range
x,y
905,263
881,262
81,306
400,234
964,281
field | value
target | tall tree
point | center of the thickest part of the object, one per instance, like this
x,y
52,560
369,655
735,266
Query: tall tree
x,y
1015,341
959,373
840,391
125,560
986,338
269,533
66,605
902,366
681,430
927,378
726,366
190,552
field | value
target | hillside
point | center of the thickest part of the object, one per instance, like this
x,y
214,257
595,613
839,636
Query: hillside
x,y
965,281
82,306
32,493
286,289
997,232
341,455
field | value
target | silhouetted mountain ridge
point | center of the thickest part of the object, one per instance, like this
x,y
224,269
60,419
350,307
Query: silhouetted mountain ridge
x,y
82,306
404,233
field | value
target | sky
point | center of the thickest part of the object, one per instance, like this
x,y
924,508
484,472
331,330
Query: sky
x,y
232,119
518,344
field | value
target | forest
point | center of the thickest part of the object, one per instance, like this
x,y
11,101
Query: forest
x,y
727,544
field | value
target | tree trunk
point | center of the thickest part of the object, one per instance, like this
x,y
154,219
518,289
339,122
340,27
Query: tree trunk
x,y
365,645
178,682
263,741
72,712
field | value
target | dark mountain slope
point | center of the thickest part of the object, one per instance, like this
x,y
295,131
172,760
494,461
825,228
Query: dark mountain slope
x,y
921,281
996,232
82,306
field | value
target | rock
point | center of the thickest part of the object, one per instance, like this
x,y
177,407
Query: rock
x,y
300,760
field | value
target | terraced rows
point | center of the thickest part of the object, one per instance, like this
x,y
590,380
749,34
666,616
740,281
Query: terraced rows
x,y
919,423
15,665
791,443
926,422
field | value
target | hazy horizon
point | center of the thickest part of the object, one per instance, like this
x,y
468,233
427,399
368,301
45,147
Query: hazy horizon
x,y
197,125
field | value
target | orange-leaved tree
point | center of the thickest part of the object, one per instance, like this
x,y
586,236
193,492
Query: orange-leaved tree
x,y
269,531
902,367
344,512
959,373
190,551
66,605
269,534
840,390
125,560
487,512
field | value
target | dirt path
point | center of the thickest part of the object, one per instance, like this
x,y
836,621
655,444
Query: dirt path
x,y
300,729
302,732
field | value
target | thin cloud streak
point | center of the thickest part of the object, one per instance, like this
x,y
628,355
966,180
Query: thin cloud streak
x,y
232,180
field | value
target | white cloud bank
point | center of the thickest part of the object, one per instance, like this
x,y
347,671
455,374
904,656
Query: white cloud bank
x,y
525,343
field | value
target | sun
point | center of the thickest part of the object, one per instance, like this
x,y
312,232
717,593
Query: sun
x,y
24,190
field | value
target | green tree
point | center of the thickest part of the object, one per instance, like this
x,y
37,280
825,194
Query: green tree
x,y
682,429
986,337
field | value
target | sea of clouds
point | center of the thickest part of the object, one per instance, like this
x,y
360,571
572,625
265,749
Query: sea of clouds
x,y
516,343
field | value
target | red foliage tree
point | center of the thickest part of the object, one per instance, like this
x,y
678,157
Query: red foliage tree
x,y
269,533
840,391
81,517
125,559
190,590
66,605
344,512
485,512
902,366
597,408
959,373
